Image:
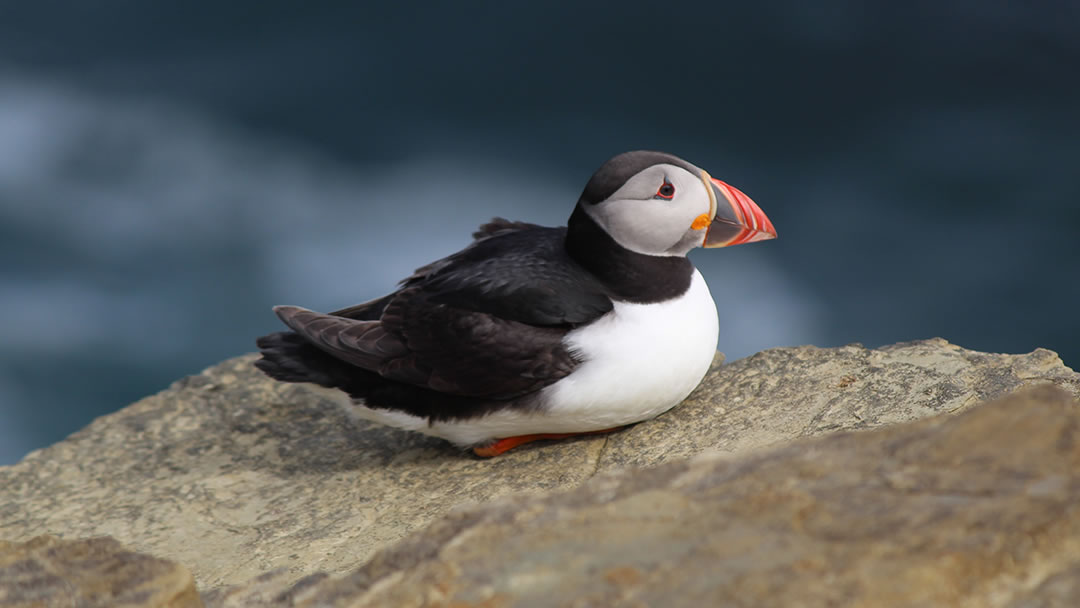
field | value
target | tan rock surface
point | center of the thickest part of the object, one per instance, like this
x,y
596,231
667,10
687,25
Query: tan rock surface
x,y
976,510
47,572
234,475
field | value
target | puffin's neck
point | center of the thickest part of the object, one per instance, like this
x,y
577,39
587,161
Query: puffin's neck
x,y
628,275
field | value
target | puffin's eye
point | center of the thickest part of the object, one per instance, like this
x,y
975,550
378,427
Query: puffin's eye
x,y
667,191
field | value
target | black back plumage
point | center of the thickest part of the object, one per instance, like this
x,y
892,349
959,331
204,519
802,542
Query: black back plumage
x,y
523,275
464,334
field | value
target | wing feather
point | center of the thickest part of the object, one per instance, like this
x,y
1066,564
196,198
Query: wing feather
x,y
487,322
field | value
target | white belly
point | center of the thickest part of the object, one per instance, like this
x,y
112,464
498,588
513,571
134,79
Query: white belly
x,y
640,360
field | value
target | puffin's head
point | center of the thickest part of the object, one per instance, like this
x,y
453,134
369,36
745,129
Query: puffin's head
x,y
658,204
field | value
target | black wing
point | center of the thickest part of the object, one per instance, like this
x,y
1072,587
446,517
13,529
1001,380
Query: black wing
x,y
521,274
367,311
501,225
486,322
514,270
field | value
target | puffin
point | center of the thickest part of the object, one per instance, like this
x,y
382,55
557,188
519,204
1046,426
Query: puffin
x,y
534,332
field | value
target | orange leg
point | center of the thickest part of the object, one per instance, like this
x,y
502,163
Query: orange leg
x,y
508,443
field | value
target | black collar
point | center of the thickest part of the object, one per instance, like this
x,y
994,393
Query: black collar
x,y
628,276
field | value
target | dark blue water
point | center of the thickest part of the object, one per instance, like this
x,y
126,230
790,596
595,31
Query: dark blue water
x,y
167,174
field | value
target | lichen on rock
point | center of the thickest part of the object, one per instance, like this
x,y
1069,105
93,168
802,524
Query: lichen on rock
x,y
244,479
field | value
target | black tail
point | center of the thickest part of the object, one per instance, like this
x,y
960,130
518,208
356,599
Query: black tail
x,y
288,357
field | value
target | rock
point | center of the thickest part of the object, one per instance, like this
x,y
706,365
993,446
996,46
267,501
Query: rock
x,y
980,509
235,475
47,571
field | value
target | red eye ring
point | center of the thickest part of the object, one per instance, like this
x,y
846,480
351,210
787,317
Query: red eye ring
x,y
666,191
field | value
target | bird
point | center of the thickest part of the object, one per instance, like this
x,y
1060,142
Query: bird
x,y
534,332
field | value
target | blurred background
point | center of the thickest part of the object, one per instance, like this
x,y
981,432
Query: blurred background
x,y
169,171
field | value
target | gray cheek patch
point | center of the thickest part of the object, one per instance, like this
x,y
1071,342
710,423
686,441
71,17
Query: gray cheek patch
x,y
644,223
645,227
690,240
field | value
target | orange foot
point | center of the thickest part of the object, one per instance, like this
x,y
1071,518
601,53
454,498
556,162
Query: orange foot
x,y
508,443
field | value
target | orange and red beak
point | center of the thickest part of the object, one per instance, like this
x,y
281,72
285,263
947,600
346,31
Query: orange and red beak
x,y
737,219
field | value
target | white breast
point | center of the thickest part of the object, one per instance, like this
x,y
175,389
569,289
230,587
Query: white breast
x,y
640,360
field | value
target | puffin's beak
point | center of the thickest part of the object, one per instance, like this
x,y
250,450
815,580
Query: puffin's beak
x,y
736,218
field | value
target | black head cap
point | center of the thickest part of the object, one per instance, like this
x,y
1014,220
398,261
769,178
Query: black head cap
x,y
615,172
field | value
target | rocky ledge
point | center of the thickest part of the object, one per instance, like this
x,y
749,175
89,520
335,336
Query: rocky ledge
x,y
766,487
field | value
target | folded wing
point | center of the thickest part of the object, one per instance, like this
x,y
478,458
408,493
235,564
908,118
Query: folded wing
x,y
487,322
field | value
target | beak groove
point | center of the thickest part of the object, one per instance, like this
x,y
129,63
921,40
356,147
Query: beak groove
x,y
738,218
